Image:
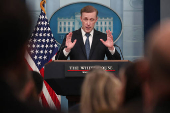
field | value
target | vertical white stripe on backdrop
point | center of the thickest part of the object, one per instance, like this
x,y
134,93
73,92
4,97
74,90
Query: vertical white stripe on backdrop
x,y
51,7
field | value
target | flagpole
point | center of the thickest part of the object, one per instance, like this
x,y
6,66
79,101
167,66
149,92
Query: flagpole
x,y
41,5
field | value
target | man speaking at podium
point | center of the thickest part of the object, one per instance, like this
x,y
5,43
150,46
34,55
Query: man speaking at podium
x,y
88,43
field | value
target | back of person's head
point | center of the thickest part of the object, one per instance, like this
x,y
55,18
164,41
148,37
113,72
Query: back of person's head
x,y
131,82
27,93
15,29
157,59
99,92
89,9
21,84
157,51
38,81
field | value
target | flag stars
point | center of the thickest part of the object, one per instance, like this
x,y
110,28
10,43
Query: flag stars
x,y
35,57
33,46
46,52
42,46
50,51
36,51
39,40
45,57
38,29
48,34
41,51
38,45
51,45
44,34
39,63
40,34
46,46
47,40
32,51
40,57
42,16
45,28
43,40
39,23
48,29
41,29
35,40
36,34
55,45
45,23
52,40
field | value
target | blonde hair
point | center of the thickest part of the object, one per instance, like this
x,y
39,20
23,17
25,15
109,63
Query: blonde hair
x,y
99,92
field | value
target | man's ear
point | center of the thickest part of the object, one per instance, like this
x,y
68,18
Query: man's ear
x,y
81,18
96,19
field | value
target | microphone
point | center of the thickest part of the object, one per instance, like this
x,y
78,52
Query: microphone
x,y
61,48
120,50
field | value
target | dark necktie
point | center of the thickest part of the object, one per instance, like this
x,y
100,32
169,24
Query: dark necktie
x,y
87,45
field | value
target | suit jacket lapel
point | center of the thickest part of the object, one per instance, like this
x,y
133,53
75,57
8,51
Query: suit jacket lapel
x,y
94,42
80,41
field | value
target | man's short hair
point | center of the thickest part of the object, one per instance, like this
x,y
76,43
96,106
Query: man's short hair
x,y
89,9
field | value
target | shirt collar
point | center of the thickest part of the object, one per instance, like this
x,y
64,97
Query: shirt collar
x,y
83,33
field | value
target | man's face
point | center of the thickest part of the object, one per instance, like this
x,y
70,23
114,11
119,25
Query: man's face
x,y
88,21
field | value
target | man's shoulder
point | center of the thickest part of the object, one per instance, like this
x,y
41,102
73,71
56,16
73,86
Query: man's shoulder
x,y
77,31
99,32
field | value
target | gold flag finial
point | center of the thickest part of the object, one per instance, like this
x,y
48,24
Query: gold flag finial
x,y
41,5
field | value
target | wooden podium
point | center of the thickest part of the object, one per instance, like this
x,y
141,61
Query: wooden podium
x,y
66,76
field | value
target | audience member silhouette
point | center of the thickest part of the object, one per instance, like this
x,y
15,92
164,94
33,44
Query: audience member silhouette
x,y
131,99
15,80
157,74
99,92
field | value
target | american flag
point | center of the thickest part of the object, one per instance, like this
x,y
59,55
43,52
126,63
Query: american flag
x,y
42,48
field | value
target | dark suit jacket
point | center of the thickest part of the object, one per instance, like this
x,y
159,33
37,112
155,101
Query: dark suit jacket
x,y
97,52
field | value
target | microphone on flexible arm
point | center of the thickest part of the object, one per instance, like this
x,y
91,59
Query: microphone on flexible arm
x,y
120,50
61,48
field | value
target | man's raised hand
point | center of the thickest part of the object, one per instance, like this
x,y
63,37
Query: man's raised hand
x,y
109,42
68,43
